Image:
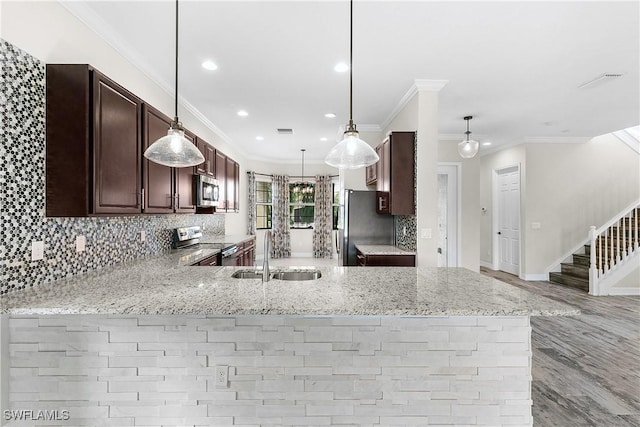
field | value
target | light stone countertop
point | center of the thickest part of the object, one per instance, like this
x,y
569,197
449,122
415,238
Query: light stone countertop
x,y
166,284
382,250
227,239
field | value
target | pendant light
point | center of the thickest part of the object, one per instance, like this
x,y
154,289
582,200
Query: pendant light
x,y
468,147
351,152
303,187
174,149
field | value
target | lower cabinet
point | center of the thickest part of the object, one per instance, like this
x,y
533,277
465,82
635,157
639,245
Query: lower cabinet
x,y
207,262
408,260
246,253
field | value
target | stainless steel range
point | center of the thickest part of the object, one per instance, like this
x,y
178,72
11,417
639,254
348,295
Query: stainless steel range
x,y
190,237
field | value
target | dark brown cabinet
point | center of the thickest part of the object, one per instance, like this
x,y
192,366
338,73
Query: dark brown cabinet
x,y
408,260
94,144
395,172
166,189
246,253
97,132
185,196
158,180
208,167
221,176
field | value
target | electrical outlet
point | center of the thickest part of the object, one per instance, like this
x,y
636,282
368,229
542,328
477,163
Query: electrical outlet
x,y
81,243
143,236
404,231
37,251
222,376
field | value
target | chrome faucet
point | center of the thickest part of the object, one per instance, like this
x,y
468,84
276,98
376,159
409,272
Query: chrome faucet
x,y
266,274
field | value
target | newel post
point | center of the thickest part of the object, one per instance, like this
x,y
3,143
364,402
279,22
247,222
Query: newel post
x,y
593,268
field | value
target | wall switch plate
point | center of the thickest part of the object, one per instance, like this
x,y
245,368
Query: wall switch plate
x,y
536,225
222,376
81,243
143,236
37,251
425,233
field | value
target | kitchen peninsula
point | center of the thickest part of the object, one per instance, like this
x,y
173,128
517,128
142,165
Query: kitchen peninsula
x,y
359,346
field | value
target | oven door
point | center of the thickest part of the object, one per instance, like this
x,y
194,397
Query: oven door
x,y
207,191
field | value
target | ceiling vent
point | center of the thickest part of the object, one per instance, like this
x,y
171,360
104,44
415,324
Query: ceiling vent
x,y
285,131
599,80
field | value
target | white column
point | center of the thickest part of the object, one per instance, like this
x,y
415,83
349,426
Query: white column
x,y
427,172
4,366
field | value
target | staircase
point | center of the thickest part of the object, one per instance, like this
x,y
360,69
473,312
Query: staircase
x,y
606,249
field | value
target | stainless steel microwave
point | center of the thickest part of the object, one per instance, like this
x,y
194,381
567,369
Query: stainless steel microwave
x,y
207,191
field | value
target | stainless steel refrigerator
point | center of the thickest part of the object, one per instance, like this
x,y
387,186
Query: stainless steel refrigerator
x,y
361,224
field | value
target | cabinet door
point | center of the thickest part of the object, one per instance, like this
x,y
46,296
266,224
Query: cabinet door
x,y
231,185
221,176
206,168
157,179
386,165
379,169
236,180
185,196
117,154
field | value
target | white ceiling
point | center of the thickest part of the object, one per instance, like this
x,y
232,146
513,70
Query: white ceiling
x,y
514,66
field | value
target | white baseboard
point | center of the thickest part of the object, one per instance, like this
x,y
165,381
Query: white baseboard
x,y
624,291
544,277
486,264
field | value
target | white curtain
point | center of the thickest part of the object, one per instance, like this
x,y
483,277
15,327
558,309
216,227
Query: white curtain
x,y
323,218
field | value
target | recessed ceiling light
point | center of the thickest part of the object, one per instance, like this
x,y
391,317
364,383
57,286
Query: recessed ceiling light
x,y
323,139
330,115
260,138
209,65
341,67
243,113
486,143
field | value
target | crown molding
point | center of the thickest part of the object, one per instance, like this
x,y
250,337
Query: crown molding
x,y
419,85
556,139
94,22
369,128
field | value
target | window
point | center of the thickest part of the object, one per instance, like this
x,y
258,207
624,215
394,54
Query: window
x,y
301,204
263,204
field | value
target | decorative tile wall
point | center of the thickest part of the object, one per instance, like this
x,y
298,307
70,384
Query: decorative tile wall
x,y
22,196
283,370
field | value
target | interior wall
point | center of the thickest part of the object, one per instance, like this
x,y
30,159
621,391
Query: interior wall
x,y
469,208
50,33
571,187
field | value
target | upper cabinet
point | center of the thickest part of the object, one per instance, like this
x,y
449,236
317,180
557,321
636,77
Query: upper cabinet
x,y
94,144
395,172
208,167
97,132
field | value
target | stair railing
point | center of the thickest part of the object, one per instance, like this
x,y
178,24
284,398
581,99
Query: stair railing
x,y
611,244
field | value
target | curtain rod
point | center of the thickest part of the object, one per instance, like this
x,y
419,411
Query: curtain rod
x,y
294,176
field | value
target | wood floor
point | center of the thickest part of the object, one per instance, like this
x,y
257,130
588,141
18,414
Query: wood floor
x,y
586,369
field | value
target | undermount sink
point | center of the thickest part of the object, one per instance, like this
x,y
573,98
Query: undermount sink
x,y
247,274
296,275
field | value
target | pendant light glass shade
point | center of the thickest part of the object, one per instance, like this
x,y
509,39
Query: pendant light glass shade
x,y
174,150
468,148
351,153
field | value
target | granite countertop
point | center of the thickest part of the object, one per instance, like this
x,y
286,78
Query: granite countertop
x,y
167,284
382,250
227,239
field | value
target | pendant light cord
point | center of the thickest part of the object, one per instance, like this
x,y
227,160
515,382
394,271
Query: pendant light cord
x,y
176,97
351,65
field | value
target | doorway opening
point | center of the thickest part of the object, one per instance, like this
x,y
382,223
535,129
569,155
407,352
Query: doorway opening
x,y
448,215
506,220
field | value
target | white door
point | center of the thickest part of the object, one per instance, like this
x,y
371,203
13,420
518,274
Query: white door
x,y
447,216
509,220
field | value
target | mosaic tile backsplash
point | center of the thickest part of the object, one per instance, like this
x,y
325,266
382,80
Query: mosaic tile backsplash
x,y
22,196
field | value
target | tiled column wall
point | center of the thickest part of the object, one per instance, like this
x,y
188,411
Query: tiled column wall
x,y
283,370
22,196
